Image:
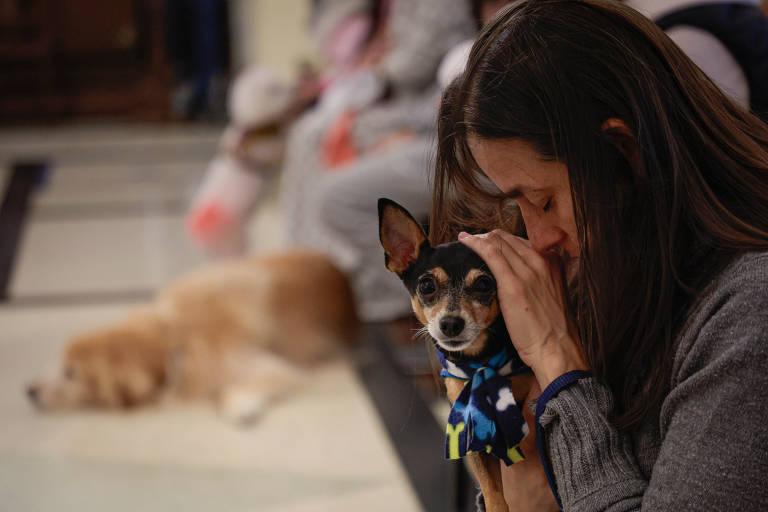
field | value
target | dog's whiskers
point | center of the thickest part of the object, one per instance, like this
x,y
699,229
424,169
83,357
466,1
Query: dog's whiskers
x,y
422,333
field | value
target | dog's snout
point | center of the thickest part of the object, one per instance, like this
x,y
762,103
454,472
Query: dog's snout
x,y
451,325
33,393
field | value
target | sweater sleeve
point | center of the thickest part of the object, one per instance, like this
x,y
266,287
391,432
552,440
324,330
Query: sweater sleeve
x,y
713,433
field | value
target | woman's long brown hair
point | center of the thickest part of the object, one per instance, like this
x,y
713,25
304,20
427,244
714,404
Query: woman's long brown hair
x,y
653,229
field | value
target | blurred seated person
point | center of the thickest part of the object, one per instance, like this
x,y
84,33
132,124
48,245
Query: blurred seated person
x,y
386,160
261,107
370,129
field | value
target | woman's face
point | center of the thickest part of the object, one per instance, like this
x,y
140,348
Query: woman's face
x,y
540,187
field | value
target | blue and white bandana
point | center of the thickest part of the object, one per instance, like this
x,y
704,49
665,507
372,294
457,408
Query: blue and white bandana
x,y
485,416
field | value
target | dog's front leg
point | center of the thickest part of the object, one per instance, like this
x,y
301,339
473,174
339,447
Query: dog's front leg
x,y
484,466
488,473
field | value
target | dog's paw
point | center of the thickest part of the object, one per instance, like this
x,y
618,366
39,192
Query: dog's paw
x,y
242,406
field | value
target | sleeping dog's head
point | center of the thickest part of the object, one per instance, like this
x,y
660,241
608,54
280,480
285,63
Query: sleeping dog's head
x,y
119,366
453,292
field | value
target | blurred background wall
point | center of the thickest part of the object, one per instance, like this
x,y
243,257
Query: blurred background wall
x,y
271,32
120,59
63,58
139,59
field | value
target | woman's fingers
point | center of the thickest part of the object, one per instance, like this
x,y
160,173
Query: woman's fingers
x,y
502,259
512,239
551,262
540,263
526,263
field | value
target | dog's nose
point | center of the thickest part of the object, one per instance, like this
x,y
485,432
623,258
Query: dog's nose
x,y
33,393
451,325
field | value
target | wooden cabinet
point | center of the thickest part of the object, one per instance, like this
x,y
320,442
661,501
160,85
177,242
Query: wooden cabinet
x,y
61,59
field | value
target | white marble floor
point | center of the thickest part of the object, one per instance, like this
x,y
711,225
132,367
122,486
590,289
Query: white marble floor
x,y
105,231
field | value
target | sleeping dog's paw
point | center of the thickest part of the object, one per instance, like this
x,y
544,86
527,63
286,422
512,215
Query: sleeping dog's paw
x,y
241,405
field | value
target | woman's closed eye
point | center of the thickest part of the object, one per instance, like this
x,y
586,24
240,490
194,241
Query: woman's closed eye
x,y
547,205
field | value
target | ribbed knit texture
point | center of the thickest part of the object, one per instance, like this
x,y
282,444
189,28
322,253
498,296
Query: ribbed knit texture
x,y
707,447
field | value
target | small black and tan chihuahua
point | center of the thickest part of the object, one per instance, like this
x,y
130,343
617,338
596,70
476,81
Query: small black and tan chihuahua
x,y
454,296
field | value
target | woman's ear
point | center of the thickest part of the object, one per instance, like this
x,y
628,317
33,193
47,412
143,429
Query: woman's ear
x,y
618,133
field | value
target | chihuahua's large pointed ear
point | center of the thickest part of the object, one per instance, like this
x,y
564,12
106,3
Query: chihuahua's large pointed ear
x,y
400,235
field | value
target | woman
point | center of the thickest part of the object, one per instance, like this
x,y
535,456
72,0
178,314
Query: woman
x,y
628,164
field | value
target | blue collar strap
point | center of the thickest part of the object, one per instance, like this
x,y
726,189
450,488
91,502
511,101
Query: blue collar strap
x,y
485,416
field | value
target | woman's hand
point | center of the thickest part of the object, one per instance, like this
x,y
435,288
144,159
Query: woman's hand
x,y
532,301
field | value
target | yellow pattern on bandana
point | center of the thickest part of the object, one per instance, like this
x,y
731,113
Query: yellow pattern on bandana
x,y
453,439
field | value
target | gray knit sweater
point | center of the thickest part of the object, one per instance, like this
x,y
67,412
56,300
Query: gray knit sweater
x,y
707,447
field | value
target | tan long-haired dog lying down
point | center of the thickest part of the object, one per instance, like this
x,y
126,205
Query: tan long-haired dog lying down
x,y
241,333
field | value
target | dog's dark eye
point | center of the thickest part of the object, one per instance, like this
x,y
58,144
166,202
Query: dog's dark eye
x,y
69,373
427,286
483,284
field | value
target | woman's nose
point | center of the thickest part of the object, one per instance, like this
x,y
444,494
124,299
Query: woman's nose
x,y
543,236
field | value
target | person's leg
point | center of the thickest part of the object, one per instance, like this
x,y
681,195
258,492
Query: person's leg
x,y
348,207
301,175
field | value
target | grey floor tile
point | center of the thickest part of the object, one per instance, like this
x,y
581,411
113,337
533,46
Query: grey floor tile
x,y
102,255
